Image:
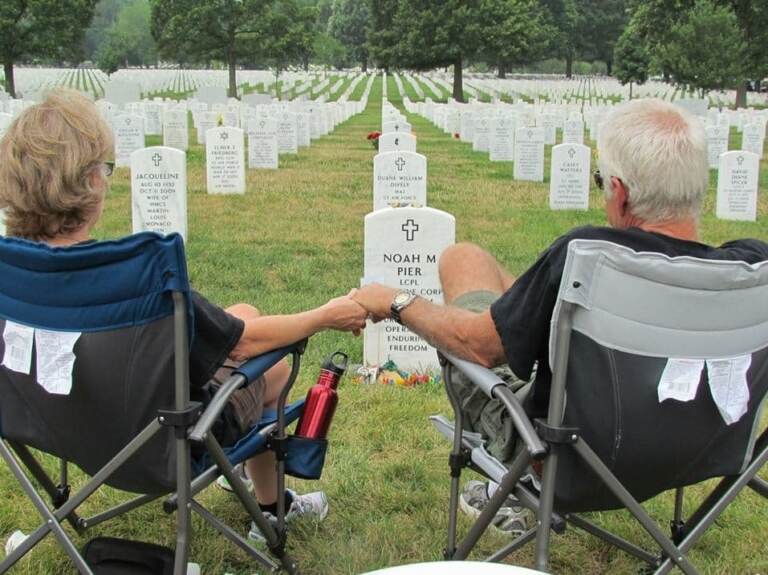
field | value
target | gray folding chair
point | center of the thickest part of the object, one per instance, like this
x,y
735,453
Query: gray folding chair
x,y
607,442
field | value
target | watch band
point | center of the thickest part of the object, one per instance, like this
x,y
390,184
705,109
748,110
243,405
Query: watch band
x,y
401,301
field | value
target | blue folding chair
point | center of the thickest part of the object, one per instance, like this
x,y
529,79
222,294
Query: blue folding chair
x,y
127,420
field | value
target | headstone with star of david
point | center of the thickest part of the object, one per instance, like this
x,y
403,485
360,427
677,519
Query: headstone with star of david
x,y
176,129
529,154
569,179
128,131
737,181
717,144
399,178
262,144
402,249
287,133
502,144
397,142
159,190
225,160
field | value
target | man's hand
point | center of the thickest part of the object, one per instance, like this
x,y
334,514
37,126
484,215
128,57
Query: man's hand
x,y
375,298
344,314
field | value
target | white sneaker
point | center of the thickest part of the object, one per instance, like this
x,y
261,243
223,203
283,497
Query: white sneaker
x,y
310,505
510,519
239,472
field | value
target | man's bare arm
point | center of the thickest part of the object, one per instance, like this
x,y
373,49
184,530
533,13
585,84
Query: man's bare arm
x,y
466,334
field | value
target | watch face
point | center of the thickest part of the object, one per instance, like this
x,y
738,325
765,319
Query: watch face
x,y
402,298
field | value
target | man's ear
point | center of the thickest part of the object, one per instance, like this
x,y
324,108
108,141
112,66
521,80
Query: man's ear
x,y
621,193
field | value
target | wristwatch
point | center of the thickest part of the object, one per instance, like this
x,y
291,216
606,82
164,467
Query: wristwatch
x,y
401,301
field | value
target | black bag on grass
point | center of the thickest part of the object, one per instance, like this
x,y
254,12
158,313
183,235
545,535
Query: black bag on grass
x,y
111,556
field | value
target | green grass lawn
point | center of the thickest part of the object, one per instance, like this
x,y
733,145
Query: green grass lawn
x,y
294,240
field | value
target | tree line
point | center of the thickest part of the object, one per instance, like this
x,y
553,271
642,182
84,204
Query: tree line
x,y
700,45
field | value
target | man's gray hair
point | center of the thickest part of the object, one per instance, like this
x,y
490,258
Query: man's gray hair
x,y
659,151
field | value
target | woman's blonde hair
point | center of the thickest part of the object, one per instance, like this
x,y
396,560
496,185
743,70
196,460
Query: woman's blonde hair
x,y
46,160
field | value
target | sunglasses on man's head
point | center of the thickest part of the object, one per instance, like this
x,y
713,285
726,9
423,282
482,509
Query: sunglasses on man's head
x,y
109,167
598,179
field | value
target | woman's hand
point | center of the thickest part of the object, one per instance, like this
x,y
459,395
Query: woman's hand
x,y
344,314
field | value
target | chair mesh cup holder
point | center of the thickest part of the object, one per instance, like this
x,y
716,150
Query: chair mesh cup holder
x,y
305,457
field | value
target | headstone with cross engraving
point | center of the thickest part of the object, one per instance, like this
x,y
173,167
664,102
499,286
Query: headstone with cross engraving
x,y
176,129
402,249
128,133
529,154
5,122
397,142
225,160
287,133
717,144
396,126
159,190
262,143
737,181
399,178
502,145
569,181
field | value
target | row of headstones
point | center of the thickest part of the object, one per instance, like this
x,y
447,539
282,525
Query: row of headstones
x,y
403,243
738,171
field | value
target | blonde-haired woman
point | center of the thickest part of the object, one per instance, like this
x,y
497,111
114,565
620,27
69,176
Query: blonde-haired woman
x,y
54,170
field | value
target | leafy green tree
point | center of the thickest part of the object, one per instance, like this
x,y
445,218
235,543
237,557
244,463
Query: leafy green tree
x,y
705,51
566,25
104,16
291,34
348,24
384,35
128,41
600,23
41,29
514,32
632,59
329,52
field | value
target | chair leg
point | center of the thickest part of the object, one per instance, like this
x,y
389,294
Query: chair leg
x,y
759,486
677,523
546,504
183,523
455,462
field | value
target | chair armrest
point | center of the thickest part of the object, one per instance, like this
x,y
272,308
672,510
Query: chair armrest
x,y
494,387
247,373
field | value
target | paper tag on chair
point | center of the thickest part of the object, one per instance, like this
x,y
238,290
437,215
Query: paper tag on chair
x,y
55,359
18,347
680,379
728,384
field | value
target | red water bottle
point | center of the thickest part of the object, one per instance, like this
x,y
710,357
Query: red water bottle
x,y
322,398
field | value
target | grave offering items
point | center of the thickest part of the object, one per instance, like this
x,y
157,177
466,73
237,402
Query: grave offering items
x,y
402,249
128,133
397,142
176,130
529,154
399,178
159,190
569,179
225,160
262,144
737,186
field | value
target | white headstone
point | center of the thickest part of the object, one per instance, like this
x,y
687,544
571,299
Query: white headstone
x,y
225,160
752,138
402,249
529,154
399,178
397,142
205,121
176,129
287,133
717,144
569,182
262,144
573,132
548,122
502,147
128,130
481,133
256,99
695,106
737,181
396,126
153,122
159,190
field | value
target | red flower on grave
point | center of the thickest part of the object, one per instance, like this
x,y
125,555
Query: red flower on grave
x,y
456,136
373,136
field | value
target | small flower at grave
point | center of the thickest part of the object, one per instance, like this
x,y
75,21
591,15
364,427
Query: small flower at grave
x,y
220,120
373,138
456,136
